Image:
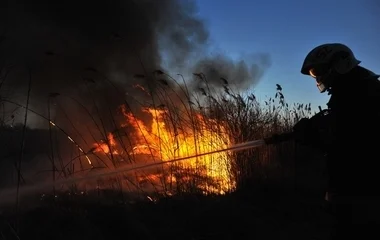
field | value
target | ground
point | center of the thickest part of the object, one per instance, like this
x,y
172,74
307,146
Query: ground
x,y
258,214
287,204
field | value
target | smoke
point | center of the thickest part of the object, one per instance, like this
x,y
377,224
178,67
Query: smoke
x,y
240,74
91,51
86,58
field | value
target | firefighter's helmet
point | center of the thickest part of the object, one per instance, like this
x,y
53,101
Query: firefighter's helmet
x,y
326,61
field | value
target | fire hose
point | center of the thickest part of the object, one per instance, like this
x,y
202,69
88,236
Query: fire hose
x,y
8,195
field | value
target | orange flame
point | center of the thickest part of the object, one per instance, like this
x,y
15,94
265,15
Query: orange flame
x,y
165,140
106,147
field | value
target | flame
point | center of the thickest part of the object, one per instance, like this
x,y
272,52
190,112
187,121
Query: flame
x,y
106,146
164,140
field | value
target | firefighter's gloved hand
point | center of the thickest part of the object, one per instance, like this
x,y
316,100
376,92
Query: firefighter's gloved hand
x,y
303,131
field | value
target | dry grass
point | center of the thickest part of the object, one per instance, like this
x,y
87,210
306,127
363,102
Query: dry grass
x,y
228,116
225,116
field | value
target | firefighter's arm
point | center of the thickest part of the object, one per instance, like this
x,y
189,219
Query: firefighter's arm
x,y
306,131
300,133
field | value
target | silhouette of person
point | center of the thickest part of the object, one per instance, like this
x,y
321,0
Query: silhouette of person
x,y
352,139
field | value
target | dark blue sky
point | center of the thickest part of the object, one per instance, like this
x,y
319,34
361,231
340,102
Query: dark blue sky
x,y
287,30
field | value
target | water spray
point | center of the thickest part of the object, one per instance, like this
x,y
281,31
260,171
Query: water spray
x,y
7,196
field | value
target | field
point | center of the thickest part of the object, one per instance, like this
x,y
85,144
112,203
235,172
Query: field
x,y
268,192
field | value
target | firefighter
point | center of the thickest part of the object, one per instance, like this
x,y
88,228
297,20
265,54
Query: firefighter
x,y
350,138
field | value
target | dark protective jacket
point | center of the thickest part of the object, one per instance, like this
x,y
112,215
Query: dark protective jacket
x,y
349,134
353,158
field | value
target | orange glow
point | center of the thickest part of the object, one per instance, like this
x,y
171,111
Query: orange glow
x,y
311,72
104,147
166,139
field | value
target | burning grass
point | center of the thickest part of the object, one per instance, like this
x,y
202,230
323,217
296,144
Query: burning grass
x,y
183,125
173,124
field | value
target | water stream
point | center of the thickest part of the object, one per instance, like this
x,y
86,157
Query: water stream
x,y
8,196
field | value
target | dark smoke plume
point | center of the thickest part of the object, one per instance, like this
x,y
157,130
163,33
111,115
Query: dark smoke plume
x,y
240,74
84,56
75,48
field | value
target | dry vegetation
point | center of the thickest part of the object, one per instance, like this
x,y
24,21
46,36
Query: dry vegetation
x,y
206,121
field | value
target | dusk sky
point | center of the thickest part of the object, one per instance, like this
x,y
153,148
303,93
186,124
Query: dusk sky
x,y
287,30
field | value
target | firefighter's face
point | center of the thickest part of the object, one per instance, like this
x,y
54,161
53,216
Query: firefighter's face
x,y
321,75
